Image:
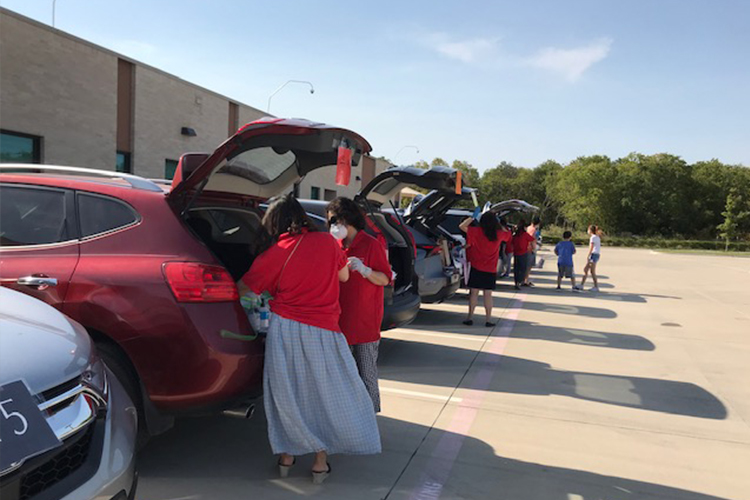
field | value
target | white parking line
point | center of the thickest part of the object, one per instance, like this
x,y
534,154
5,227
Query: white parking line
x,y
427,395
454,336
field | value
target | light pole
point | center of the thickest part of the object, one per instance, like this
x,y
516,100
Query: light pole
x,y
405,147
305,82
53,12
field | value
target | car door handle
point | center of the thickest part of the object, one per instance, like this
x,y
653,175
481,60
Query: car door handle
x,y
37,281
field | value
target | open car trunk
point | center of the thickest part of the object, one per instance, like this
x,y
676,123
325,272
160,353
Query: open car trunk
x,y
231,233
215,193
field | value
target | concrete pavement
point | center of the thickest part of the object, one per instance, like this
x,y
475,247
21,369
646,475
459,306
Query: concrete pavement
x,y
637,392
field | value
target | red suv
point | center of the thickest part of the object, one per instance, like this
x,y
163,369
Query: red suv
x,y
150,271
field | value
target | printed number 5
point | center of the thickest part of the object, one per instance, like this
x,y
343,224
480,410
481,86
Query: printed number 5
x,y
15,414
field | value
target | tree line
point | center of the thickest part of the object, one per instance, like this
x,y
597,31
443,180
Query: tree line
x,y
641,195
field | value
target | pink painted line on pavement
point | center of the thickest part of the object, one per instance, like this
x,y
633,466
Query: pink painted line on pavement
x,y
446,452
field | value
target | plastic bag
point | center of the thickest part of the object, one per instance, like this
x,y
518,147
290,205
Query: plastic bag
x,y
257,309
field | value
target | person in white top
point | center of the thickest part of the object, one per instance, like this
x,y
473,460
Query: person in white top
x,y
595,251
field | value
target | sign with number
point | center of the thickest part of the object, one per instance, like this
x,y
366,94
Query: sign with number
x,y
24,432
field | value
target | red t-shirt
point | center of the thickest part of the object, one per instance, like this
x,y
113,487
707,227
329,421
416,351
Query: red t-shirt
x,y
521,243
362,301
309,288
482,253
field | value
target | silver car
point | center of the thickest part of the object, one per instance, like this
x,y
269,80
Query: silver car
x,y
67,427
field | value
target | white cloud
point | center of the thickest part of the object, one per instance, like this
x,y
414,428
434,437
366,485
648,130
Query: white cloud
x,y
473,50
571,63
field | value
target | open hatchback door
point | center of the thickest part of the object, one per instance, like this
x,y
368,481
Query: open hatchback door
x,y
389,183
513,206
263,159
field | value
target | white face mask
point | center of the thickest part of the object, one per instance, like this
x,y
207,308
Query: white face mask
x,y
338,231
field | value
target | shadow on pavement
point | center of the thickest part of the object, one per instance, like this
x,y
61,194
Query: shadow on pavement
x,y
522,376
575,310
429,320
217,457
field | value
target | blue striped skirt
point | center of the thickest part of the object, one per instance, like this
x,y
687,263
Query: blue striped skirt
x,y
314,397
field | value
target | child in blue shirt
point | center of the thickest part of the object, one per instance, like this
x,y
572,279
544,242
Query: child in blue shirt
x,y
564,251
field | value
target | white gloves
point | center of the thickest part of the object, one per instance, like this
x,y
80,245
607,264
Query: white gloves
x,y
356,264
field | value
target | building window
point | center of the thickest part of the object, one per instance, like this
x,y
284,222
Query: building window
x,y
123,162
314,193
329,194
170,167
19,148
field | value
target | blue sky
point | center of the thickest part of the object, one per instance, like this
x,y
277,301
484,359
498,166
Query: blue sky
x,y
475,80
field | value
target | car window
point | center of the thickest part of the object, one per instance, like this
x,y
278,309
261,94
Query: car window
x,y
31,216
260,165
99,214
234,226
451,223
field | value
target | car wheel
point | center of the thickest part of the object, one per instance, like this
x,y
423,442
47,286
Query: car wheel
x,y
120,366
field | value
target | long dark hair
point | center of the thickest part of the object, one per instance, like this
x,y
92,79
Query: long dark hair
x,y
490,226
284,215
520,228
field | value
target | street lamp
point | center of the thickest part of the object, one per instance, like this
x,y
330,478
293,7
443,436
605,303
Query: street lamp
x,y
405,147
53,12
305,82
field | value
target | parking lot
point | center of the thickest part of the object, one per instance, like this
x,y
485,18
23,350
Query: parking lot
x,y
637,392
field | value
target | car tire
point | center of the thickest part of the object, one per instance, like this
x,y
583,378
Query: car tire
x,y
120,366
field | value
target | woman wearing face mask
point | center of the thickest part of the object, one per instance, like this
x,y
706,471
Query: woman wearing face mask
x,y
361,297
314,399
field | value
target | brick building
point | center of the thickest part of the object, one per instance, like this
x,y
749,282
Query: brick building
x,y
66,101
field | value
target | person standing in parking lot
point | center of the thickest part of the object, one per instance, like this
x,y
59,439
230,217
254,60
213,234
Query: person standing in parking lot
x,y
483,251
595,253
523,245
314,399
361,297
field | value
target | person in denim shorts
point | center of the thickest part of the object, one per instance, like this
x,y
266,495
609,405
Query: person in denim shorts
x,y
595,252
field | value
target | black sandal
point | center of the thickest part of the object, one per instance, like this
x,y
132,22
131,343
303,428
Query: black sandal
x,y
488,324
320,476
468,322
284,469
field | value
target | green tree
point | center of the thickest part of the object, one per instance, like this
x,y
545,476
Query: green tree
x,y
736,217
438,162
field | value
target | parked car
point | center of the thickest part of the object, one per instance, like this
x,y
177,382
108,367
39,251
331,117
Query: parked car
x,y
150,271
512,210
437,250
68,425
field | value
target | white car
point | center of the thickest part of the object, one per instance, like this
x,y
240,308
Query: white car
x,y
68,428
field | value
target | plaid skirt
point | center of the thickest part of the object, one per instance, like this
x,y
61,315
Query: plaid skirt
x,y
314,397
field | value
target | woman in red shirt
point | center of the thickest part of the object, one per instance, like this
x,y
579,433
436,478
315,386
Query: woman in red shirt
x,y
361,297
483,252
523,245
314,399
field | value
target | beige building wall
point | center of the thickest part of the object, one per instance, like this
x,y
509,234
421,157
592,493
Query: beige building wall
x,y
54,86
163,106
64,90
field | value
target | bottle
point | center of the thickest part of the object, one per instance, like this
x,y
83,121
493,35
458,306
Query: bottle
x,y
265,315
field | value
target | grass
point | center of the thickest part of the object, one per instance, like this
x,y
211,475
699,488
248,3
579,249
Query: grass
x,y
719,253
552,234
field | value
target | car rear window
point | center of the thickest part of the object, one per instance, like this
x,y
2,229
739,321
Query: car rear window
x,y
451,223
100,214
260,165
32,216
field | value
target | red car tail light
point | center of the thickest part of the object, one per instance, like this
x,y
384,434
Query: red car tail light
x,y
195,282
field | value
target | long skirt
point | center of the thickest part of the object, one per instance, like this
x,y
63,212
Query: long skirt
x,y
313,395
